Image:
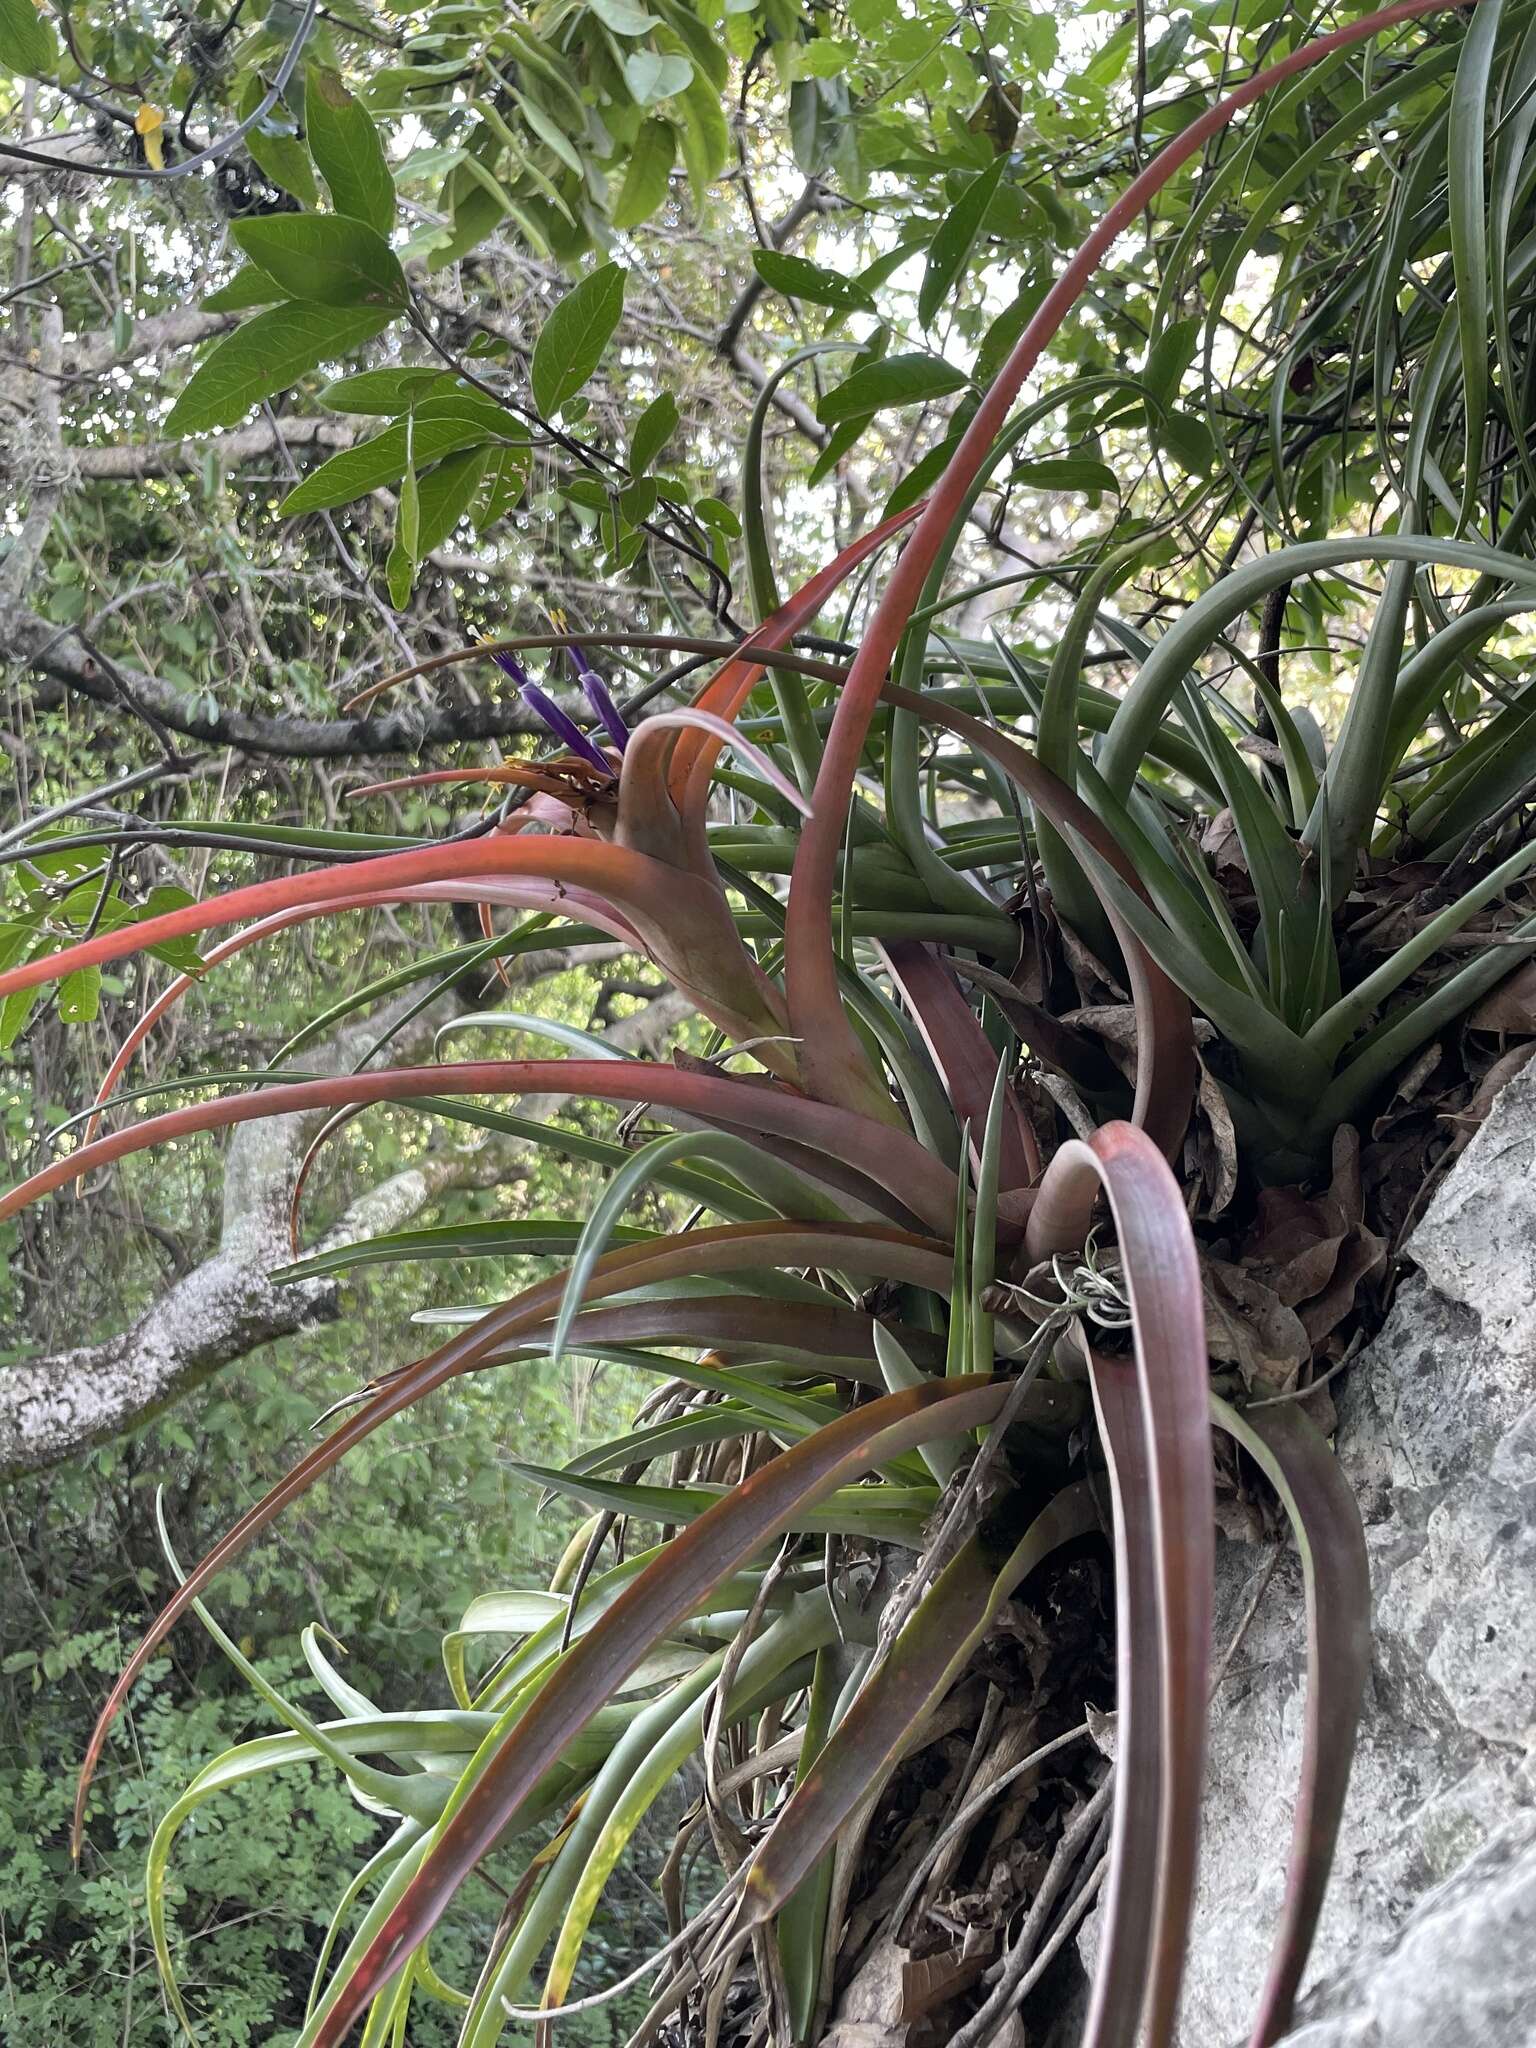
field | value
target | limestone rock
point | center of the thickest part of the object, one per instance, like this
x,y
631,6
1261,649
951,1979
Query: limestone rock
x,y
1428,1935
1463,1969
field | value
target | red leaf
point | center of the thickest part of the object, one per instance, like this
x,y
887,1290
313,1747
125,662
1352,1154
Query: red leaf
x,y
1166,1068
1130,1891
963,1056
682,920
729,689
733,1247
1326,1518
924,1661
1165,1502
891,1157
718,1543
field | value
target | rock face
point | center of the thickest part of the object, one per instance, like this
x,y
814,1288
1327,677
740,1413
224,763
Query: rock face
x,y
1428,1938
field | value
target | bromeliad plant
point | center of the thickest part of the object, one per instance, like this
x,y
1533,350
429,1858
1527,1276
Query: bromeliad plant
x,y
902,1371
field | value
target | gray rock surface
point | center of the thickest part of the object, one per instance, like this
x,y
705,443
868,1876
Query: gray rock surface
x,y
1462,1969
1428,1937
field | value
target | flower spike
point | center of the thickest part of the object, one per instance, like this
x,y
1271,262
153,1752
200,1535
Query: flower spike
x,y
597,696
564,727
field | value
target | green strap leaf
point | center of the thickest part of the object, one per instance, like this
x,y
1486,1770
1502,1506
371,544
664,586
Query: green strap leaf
x,y
755,1168
1466,144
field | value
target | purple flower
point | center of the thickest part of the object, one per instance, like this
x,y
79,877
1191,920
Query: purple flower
x,y
511,666
563,727
598,697
559,722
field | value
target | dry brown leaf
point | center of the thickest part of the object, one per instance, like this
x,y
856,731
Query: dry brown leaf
x,y
1510,1011
1248,1326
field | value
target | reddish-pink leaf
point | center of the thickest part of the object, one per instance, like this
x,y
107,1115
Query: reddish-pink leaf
x,y
1326,1518
962,1054
837,1341
924,1662
876,1249
718,1543
681,918
1167,1496
1166,1069
729,689
1130,1890
892,1158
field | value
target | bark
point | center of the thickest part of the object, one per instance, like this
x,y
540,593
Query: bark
x,y
93,354
58,653
127,461
53,1407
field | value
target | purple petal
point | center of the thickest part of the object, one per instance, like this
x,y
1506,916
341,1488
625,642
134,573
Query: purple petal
x,y
598,698
562,727
511,666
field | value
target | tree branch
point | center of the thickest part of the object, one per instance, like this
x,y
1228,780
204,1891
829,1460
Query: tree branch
x,y
812,200
128,460
58,653
53,1407
87,356
50,472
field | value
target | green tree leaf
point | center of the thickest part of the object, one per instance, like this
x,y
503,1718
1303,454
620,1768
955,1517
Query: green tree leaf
x,y
997,343
27,42
405,553
266,355
285,161
347,151
704,135
445,494
716,513
571,342
80,996
645,182
1187,439
895,380
249,287
951,247
1169,357
654,428
505,479
624,17
1066,473
651,76
325,260
798,278
383,391
439,427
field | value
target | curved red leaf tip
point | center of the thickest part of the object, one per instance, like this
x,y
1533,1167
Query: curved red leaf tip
x,y
1173,1483
892,1158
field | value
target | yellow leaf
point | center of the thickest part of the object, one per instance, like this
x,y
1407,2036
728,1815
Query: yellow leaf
x,y
149,123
